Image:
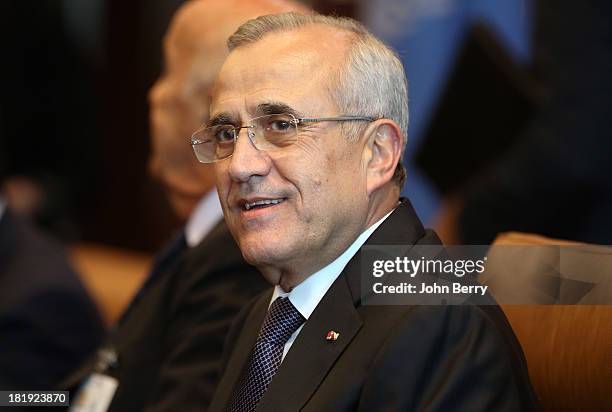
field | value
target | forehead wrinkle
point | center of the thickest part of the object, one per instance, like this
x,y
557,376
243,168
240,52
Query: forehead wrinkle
x,y
294,98
255,101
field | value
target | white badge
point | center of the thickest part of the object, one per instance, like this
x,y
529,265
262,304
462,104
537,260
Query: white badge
x,y
95,395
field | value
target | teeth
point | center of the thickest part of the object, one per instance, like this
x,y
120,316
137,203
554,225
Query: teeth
x,y
247,206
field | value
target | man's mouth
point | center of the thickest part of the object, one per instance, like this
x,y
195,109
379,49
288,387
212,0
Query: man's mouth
x,y
262,203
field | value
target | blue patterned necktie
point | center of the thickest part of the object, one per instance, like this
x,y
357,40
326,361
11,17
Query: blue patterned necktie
x,y
282,320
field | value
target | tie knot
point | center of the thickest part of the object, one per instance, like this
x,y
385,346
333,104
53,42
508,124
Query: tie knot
x,y
281,321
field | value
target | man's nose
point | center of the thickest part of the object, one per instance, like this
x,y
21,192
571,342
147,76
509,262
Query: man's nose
x,y
247,161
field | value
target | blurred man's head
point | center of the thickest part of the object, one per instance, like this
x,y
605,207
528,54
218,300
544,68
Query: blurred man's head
x,y
194,49
297,193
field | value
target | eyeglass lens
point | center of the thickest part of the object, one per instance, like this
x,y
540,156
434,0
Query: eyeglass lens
x,y
265,132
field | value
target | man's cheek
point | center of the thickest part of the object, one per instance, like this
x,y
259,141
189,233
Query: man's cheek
x,y
221,181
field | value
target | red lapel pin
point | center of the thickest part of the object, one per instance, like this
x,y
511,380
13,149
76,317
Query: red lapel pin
x,y
332,335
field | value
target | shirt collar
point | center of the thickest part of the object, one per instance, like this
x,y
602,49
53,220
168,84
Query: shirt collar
x,y
307,295
204,217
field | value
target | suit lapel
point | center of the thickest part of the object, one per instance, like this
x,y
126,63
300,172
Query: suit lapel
x,y
311,356
241,351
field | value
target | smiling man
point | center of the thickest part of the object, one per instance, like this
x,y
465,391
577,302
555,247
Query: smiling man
x,y
308,125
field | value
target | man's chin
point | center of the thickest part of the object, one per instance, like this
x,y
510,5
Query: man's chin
x,y
279,261
263,254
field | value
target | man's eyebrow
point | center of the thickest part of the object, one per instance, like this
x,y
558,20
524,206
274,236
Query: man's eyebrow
x,y
276,108
221,118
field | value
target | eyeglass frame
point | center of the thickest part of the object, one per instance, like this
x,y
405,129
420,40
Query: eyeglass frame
x,y
295,120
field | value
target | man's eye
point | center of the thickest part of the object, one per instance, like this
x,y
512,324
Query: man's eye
x,y
224,135
279,125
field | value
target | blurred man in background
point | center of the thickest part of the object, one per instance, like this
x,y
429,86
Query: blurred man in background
x,y
165,352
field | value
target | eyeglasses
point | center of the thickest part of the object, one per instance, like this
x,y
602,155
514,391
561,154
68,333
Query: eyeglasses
x,y
269,132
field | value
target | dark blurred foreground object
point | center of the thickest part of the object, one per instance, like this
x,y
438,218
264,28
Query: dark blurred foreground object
x,y
48,324
568,347
487,102
556,178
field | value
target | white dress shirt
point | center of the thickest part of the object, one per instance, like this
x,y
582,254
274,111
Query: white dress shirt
x,y
307,295
203,219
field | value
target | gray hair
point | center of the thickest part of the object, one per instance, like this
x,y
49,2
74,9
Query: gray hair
x,y
372,83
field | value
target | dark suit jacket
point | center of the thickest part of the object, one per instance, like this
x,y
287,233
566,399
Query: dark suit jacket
x,y
434,358
48,323
169,344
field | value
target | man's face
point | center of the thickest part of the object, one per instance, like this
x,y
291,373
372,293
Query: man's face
x,y
178,106
319,180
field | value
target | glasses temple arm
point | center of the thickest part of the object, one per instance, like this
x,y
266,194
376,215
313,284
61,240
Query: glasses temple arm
x,y
336,119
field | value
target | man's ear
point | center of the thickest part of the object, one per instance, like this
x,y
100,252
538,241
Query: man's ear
x,y
383,152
